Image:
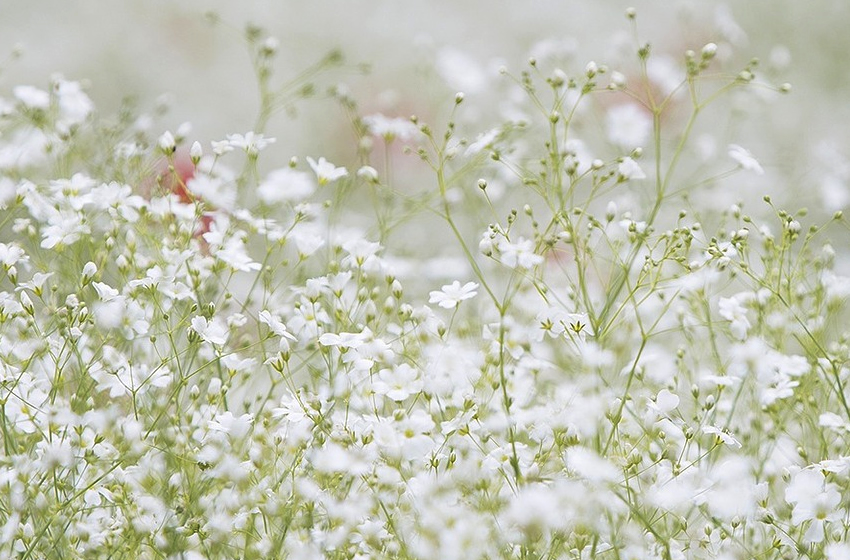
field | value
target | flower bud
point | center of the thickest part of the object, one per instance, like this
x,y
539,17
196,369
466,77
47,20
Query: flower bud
x,y
167,143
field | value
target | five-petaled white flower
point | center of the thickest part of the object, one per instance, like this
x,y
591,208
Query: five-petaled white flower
x,y
452,294
214,332
814,500
722,435
251,142
325,171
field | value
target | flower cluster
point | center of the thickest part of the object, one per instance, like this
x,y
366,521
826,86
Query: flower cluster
x,y
202,360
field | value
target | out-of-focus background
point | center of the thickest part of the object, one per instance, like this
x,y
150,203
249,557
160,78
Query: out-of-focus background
x,y
145,49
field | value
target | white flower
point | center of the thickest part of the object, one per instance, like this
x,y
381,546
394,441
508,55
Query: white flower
x,y
306,241
167,143
214,332
237,427
369,173
234,254
325,171
104,291
628,126
390,128
278,328
250,142
483,140
520,254
89,270
212,190
666,401
722,435
361,253
587,464
11,254
285,185
398,383
629,169
452,294
814,500
196,152
745,159
732,310
837,551
460,71
32,97
74,104
221,147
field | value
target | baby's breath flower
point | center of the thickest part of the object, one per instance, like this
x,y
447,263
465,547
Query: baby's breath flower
x,y
452,294
214,332
32,97
722,436
745,159
630,170
167,143
325,171
250,142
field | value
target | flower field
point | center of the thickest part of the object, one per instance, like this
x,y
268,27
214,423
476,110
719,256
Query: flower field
x,y
546,294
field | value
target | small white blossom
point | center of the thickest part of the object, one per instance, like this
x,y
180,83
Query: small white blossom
x,y
325,171
452,294
722,435
167,143
368,172
89,270
32,97
282,185
815,501
214,332
630,170
628,126
732,310
252,143
519,254
390,128
745,159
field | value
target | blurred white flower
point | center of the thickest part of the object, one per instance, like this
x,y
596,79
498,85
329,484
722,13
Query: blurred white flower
x,y
732,310
212,190
745,159
628,126
235,254
285,184
391,128
74,105
237,427
519,254
587,464
629,169
32,97
483,140
814,500
221,147
460,71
